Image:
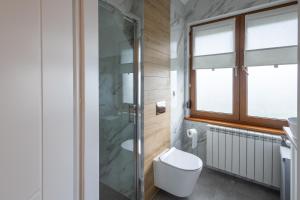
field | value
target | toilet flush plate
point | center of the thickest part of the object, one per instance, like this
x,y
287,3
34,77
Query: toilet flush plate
x,y
160,107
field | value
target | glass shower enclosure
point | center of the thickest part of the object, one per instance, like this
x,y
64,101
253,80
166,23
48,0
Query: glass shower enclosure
x,y
120,128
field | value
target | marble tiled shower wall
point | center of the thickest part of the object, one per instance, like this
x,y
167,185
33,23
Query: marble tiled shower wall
x,y
177,71
186,142
196,10
181,16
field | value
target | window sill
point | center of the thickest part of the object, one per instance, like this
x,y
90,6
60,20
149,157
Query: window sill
x,y
239,126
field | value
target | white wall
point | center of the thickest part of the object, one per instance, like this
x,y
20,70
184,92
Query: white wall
x,y
37,100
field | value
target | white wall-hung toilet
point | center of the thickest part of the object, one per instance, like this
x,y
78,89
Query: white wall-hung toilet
x,y
177,172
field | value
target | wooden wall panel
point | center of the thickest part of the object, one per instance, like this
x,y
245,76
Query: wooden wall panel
x,y
157,85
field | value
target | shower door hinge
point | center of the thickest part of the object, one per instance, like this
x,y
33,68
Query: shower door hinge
x,y
132,113
189,104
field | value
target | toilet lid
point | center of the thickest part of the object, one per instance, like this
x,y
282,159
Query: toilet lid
x,y
181,159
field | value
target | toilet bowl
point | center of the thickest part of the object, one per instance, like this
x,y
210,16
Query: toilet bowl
x,y
176,172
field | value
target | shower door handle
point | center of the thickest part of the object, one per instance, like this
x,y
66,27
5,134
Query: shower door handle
x,y
132,113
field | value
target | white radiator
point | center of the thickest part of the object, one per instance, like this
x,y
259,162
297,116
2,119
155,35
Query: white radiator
x,y
251,155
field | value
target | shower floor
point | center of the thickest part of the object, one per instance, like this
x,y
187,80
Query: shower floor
x,y
213,185
108,193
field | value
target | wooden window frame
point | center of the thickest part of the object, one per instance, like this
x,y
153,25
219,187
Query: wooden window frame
x,y
240,81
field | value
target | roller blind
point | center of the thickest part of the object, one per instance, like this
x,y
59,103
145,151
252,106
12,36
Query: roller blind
x,y
272,37
214,45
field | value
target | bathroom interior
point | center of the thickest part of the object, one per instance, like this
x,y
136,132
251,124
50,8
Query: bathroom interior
x,y
149,99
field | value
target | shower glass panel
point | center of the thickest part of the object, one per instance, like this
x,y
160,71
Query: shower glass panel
x,y
118,97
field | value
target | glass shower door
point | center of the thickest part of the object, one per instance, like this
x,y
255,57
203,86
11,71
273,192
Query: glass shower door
x,y
117,104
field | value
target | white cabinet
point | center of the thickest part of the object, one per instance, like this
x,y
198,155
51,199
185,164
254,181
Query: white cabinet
x,y
20,100
58,104
36,102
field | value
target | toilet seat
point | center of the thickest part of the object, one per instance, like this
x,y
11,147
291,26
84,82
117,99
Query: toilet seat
x,y
181,160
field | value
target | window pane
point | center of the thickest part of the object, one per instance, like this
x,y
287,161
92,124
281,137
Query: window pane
x,y
272,92
214,90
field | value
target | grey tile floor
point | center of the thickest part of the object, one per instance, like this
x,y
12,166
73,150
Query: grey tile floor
x,y
213,185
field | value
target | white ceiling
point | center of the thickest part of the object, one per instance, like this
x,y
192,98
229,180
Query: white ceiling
x,y
184,1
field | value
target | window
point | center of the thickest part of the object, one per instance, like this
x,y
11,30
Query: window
x,y
244,68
